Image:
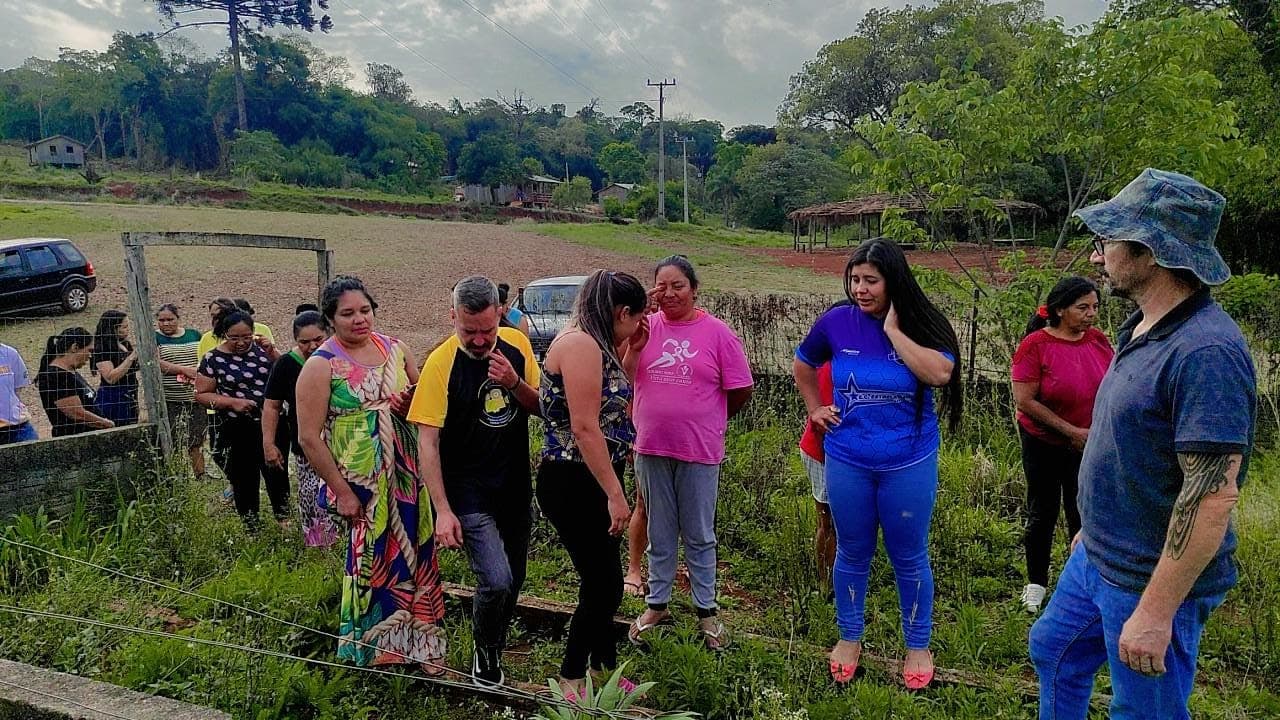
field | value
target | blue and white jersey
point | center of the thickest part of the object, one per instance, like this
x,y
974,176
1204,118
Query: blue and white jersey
x,y
875,393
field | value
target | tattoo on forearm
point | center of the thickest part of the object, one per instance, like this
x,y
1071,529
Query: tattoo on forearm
x,y
1202,475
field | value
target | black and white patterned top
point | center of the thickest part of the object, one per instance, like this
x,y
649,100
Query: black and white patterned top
x,y
238,375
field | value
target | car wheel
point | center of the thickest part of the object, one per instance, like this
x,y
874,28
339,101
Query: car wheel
x,y
75,297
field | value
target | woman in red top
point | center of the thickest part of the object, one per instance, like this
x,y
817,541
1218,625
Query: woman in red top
x,y
1056,373
813,458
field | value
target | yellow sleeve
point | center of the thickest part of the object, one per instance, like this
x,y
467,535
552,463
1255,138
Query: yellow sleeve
x,y
264,331
431,398
207,343
533,373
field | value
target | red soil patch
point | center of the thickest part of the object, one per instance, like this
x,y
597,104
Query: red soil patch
x,y
982,262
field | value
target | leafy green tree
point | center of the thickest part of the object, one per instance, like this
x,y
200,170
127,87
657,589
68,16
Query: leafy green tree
x,y
87,80
622,162
573,194
1130,94
239,13
388,83
257,155
491,161
753,135
776,179
564,142
862,75
722,178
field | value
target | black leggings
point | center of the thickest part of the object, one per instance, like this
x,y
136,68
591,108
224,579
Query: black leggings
x,y
572,500
241,438
1052,482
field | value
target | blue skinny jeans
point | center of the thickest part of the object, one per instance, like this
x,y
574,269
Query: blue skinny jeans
x,y
899,502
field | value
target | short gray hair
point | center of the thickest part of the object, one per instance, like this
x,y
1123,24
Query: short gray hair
x,y
475,294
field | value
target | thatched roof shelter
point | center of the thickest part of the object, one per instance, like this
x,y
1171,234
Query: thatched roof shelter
x,y
860,211
849,211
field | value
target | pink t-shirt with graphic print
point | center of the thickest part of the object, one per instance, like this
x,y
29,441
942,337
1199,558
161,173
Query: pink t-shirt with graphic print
x,y
685,373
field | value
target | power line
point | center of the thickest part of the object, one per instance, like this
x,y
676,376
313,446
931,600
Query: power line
x,y
530,48
635,46
419,55
575,34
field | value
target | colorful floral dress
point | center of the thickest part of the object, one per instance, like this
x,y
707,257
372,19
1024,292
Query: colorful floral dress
x,y
391,598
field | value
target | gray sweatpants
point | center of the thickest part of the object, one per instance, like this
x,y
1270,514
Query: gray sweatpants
x,y
680,498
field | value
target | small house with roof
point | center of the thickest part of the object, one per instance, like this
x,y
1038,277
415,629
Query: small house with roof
x,y
60,150
617,191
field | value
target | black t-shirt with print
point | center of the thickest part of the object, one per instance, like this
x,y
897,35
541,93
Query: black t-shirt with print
x,y
54,384
241,376
484,436
282,386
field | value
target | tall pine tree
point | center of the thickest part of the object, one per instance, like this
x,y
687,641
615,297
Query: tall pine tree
x,y
239,13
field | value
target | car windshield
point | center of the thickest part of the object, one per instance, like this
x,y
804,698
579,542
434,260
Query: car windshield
x,y
550,299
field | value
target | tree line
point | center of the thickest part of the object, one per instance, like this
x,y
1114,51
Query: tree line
x,y
960,103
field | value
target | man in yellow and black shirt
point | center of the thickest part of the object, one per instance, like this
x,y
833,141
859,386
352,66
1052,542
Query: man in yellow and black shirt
x,y
472,407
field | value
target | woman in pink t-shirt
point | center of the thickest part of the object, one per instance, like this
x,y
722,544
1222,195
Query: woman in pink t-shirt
x,y
691,376
1056,373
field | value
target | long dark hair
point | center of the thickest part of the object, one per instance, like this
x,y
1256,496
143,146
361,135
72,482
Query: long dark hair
x,y
307,318
918,317
105,339
603,291
1063,295
62,343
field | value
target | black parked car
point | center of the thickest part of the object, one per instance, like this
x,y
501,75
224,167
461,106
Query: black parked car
x,y
42,272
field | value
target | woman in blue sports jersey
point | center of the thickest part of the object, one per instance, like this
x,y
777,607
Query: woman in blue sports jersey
x,y
888,350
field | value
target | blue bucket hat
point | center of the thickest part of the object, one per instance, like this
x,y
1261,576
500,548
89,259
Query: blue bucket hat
x,y
1173,215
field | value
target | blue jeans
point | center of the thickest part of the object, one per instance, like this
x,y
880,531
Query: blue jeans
x,y
899,502
497,549
1080,630
18,433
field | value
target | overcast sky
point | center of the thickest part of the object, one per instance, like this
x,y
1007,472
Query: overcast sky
x,y
731,58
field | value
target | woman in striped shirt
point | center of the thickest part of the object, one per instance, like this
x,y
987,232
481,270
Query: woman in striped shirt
x,y
179,357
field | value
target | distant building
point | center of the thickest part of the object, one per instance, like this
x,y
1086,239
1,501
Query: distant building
x,y
58,150
617,191
534,192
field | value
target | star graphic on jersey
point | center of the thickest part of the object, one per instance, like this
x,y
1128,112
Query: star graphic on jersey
x,y
855,397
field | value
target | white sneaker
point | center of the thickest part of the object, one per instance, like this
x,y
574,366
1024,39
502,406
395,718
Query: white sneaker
x,y
1033,598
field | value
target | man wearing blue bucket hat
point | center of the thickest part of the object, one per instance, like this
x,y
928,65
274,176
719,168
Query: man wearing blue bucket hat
x,y
1168,449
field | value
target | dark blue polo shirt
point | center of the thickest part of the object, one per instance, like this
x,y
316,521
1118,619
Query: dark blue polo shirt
x,y
1187,385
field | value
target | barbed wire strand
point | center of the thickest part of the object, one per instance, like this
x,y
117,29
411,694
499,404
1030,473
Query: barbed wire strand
x,y
510,692
67,700
500,690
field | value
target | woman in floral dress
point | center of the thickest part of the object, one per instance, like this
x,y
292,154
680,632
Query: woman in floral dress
x,y
351,394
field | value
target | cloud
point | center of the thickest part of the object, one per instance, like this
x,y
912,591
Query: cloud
x,y
732,58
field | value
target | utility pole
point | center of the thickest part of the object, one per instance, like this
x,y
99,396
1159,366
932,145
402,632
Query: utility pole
x,y
662,148
684,147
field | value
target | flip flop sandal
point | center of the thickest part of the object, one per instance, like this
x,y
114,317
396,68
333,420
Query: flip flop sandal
x,y
636,632
842,673
714,634
633,588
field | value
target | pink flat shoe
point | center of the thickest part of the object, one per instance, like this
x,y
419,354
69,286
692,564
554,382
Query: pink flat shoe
x,y
842,673
917,680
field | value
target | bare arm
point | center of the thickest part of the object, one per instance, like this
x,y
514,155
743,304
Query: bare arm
x,y
929,366
1201,515
581,364
1025,398
448,531
738,398
822,416
1199,522
74,409
313,409
112,373
169,368
207,395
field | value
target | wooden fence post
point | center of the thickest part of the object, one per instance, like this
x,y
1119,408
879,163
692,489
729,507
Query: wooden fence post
x,y
324,269
135,267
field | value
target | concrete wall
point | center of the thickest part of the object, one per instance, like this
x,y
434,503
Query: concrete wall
x,y
32,693
48,473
